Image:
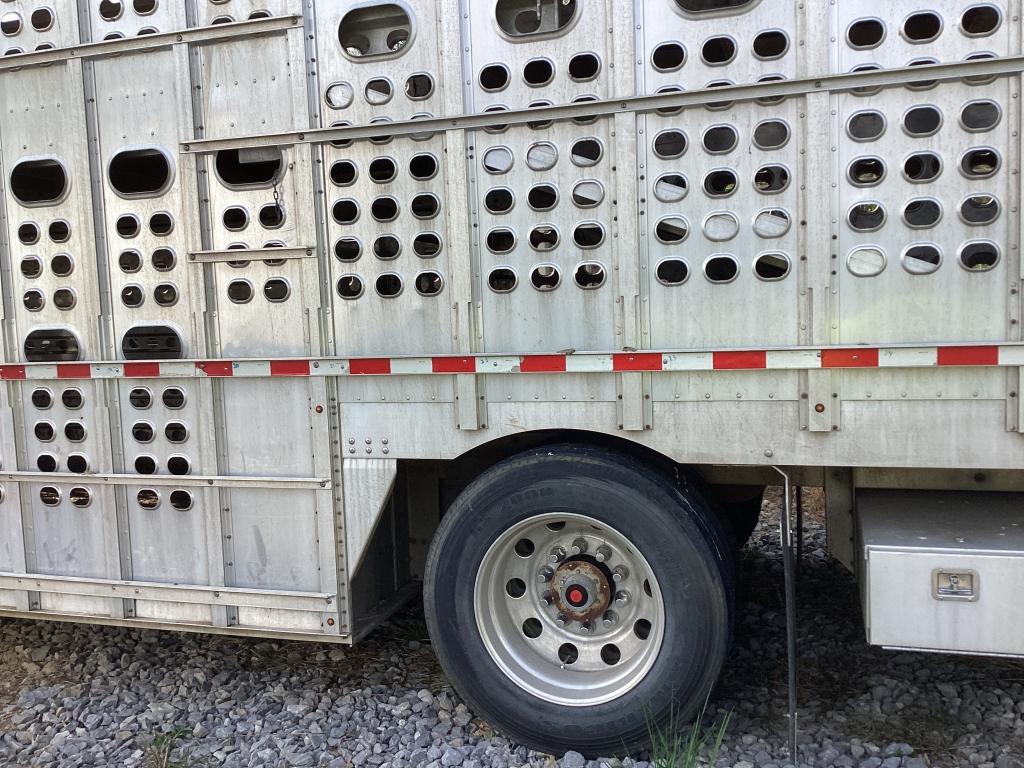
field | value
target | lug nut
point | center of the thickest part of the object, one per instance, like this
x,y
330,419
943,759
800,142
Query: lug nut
x,y
610,619
620,573
545,574
561,620
587,627
579,546
557,555
604,552
622,597
547,598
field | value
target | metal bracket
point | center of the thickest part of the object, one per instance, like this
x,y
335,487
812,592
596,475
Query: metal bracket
x,y
789,577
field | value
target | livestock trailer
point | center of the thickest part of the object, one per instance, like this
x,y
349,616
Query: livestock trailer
x,y
309,302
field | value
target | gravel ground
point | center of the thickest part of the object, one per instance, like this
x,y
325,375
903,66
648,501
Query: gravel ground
x,y
76,695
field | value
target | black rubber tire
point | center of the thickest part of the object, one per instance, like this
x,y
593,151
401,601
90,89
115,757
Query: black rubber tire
x,y
744,516
669,523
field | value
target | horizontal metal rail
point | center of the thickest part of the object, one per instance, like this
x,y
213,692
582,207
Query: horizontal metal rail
x,y
176,481
215,33
252,254
980,355
199,594
848,81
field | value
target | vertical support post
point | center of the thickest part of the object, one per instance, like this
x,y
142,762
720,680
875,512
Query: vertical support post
x,y
789,577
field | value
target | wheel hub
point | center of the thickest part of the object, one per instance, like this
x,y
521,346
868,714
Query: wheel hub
x,y
582,591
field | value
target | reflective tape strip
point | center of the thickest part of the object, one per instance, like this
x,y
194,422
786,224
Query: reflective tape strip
x,y
688,361
410,366
793,359
849,358
740,361
907,357
968,356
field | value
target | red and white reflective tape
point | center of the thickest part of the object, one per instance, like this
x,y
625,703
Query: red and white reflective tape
x,y
779,359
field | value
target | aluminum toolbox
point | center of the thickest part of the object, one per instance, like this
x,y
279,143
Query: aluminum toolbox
x,y
943,571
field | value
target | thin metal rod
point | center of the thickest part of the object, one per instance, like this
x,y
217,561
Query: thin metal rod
x,y
799,500
789,577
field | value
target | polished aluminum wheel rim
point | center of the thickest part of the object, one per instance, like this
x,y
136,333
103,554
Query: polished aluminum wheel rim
x,y
569,609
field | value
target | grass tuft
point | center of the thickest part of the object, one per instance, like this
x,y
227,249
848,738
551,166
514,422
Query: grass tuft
x,y
674,746
159,753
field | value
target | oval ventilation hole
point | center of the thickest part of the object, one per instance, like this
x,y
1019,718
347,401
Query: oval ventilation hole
x,y
767,101
80,497
921,259
771,134
670,187
28,233
276,290
771,266
866,126
770,179
588,193
163,260
865,33
175,432
538,72
426,245
387,247
717,51
584,66
720,139
378,91
866,90
145,465
148,498
140,398
384,209
919,214
866,171
981,20
64,299
127,226
71,399
866,262
669,145
424,206
721,269
498,160
44,431
499,200
586,152
922,167
423,166
544,237
922,121
49,496
33,300
271,216
419,86
161,224
240,291
59,231
545,277
129,262
922,27
588,235
382,170
142,432
502,280
866,217
78,463
671,230
979,209
772,222
347,249
719,227
542,156
494,77
542,197
111,10
181,500
980,116
139,172
46,462
51,345
165,294
496,127
38,182
672,272
41,398
350,287
772,44
343,173
345,211
589,276
144,7
151,342
922,85
339,95
429,283
980,163
388,285
31,267
979,256
173,398
720,183
500,240
668,57
249,168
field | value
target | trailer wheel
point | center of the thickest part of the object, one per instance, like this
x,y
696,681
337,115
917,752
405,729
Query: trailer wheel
x,y
576,598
